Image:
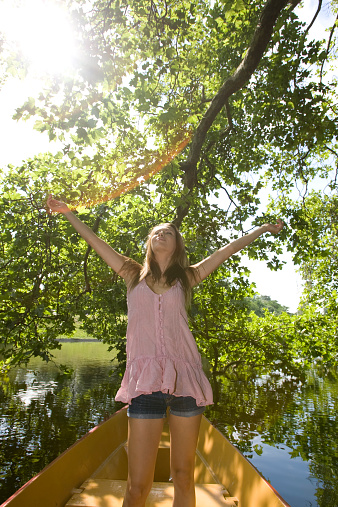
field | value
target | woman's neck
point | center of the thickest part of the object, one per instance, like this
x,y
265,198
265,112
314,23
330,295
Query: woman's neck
x,y
163,263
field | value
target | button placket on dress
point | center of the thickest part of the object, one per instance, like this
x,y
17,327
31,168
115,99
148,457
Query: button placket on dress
x,y
160,309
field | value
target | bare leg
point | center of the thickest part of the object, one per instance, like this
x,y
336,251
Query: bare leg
x,y
183,435
143,441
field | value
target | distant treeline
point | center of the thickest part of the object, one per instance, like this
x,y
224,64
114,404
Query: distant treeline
x,y
259,304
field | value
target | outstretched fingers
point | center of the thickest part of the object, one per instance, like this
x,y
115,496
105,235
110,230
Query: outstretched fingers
x,y
275,228
56,206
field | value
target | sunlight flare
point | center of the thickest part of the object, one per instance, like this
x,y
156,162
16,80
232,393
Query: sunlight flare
x,y
42,33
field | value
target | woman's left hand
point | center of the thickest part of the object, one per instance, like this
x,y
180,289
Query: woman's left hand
x,y
275,228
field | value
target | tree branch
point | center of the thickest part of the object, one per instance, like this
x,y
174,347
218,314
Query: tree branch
x,y
314,17
242,74
328,48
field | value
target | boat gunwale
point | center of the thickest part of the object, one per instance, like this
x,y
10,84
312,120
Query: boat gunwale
x,y
238,452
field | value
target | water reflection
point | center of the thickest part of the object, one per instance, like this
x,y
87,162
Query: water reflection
x,y
43,412
287,427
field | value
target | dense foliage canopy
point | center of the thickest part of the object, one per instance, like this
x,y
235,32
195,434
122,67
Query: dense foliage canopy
x,y
217,115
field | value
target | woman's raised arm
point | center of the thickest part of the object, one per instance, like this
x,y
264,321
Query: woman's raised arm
x,y
209,264
108,254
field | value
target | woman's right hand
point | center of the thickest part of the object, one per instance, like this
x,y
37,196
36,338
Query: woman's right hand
x,y
56,206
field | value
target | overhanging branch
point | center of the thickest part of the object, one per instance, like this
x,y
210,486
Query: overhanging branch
x,y
242,74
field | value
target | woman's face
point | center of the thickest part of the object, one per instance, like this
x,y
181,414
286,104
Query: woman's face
x,y
163,239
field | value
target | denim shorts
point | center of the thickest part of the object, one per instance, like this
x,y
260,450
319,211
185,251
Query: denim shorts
x,y
154,406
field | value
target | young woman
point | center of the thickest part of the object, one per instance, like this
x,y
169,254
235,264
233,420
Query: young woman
x,y
163,365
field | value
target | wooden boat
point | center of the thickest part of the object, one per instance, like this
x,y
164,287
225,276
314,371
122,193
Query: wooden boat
x,y
93,473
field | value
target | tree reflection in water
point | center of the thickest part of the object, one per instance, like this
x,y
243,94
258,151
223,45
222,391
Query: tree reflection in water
x,y
286,412
41,418
43,413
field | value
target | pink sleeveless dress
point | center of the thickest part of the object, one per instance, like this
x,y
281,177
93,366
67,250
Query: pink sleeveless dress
x,y
161,351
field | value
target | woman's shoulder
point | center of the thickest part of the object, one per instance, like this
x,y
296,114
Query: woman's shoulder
x,y
193,275
130,271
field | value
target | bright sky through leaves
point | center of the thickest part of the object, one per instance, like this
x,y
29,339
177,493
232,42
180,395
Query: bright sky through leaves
x,y
41,31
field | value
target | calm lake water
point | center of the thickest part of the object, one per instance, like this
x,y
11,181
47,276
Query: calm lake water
x,y
287,428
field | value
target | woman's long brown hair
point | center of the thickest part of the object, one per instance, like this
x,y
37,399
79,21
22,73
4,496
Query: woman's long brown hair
x,y
177,269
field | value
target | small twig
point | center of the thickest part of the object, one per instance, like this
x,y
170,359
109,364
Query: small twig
x,y
331,150
320,2
328,48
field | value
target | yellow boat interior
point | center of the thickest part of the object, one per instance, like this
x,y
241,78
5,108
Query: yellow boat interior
x,y
106,486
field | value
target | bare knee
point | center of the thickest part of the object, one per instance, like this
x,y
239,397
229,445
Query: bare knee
x,y
183,478
136,493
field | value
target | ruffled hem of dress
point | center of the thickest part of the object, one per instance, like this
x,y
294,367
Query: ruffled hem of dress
x,y
172,376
